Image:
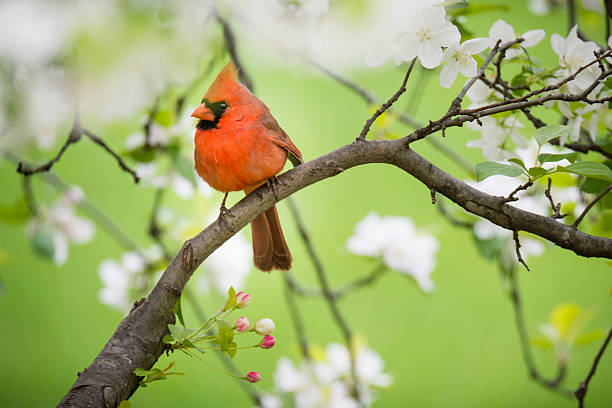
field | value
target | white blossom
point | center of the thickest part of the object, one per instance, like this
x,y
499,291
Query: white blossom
x,y
494,136
573,54
395,240
63,225
428,31
500,30
459,58
326,383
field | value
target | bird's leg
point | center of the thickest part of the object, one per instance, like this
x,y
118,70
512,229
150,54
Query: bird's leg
x,y
272,181
223,212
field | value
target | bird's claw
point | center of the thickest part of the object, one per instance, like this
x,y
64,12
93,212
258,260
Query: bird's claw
x,y
223,213
272,181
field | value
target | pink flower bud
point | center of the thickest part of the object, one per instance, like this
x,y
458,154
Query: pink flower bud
x,y
243,324
267,342
242,300
264,326
253,377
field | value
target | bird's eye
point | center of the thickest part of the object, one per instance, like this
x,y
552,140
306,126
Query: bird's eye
x,y
223,106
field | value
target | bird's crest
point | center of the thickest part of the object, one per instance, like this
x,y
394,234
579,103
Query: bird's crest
x,y
227,79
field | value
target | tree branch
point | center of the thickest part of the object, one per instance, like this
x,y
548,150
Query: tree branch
x,y
109,378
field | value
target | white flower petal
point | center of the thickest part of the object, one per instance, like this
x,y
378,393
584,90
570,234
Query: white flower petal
x,y
558,44
533,37
450,52
448,74
475,45
430,54
500,30
447,35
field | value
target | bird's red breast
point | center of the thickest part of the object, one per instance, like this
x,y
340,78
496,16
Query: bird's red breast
x,y
238,143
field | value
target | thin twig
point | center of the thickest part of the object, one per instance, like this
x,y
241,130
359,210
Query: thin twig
x,y
517,246
556,208
29,196
148,125
110,151
441,206
511,196
581,391
590,205
73,137
552,384
386,105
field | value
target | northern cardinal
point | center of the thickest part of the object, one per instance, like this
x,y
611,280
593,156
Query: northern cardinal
x,y
239,146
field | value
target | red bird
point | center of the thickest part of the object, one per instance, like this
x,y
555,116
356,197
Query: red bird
x,y
239,146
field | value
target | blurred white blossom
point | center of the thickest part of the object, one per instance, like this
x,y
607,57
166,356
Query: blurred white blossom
x,y
229,265
494,134
61,225
327,382
121,279
396,241
459,58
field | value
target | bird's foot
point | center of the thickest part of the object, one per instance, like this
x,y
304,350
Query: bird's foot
x,y
272,182
224,212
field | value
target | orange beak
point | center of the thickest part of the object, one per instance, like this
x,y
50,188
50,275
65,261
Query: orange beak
x,y
202,112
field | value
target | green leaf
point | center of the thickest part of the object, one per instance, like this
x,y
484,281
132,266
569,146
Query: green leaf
x,y
141,372
178,333
125,404
519,80
142,154
608,82
168,339
231,299
231,349
542,342
487,169
546,133
42,243
517,161
594,186
590,337
554,157
16,213
178,311
489,248
226,334
164,117
537,172
589,169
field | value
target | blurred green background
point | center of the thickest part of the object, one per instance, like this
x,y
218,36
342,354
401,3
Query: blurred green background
x,y
455,347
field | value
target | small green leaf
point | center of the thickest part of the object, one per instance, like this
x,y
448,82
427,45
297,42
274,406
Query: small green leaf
x,y
226,334
589,169
517,161
42,243
164,117
608,82
546,133
125,404
231,299
593,185
143,154
553,157
590,337
537,172
141,372
178,311
168,339
489,248
178,333
231,349
487,169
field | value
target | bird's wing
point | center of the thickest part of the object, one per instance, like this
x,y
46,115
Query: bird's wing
x,y
280,138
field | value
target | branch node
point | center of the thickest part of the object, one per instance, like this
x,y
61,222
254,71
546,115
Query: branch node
x,y
187,261
433,195
511,196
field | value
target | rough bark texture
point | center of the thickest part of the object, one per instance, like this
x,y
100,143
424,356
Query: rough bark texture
x,y
137,341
